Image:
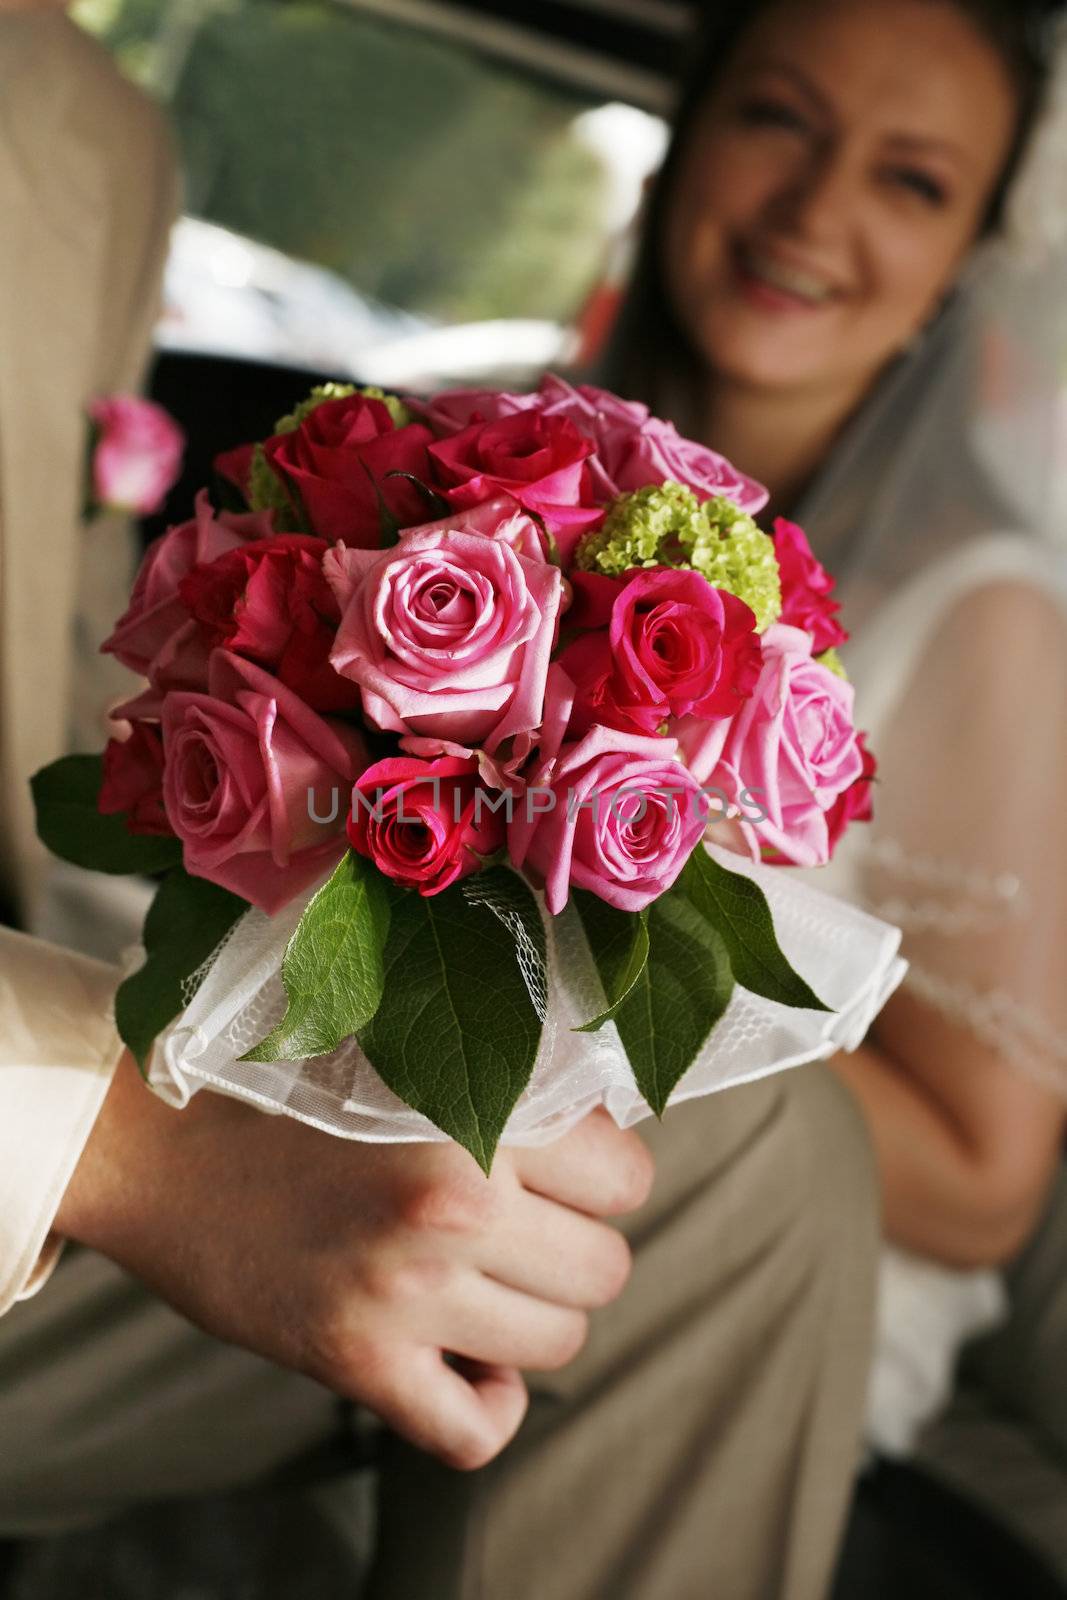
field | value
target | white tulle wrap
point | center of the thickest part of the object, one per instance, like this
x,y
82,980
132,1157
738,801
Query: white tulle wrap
x,y
847,956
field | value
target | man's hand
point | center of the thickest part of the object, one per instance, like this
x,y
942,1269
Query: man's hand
x,y
363,1265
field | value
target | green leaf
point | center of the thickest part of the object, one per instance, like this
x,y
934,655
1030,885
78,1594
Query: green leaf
x,y
738,909
679,996
186,921
66,795
456,1034
332,969
619,942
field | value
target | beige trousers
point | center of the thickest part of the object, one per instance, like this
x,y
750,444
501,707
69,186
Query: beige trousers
x,y
701,1447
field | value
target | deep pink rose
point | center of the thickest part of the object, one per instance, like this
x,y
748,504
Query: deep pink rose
x,y
448,635
857,802
674,646
537,459
422,823
137,455
133,780
792,748
156,636
613,812
270,601
807,588
256,783
339,459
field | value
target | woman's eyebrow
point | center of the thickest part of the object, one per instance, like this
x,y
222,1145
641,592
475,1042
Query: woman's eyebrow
x,y
929,144
797,76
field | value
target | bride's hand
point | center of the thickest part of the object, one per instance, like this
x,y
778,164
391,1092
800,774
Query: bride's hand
x,y
362,1265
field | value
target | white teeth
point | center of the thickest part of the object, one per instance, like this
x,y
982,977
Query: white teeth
x,y
788,279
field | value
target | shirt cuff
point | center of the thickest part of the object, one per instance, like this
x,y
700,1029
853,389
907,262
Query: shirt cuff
x,y
58,1051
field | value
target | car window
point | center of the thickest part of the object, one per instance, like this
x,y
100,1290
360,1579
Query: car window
x,y
357,184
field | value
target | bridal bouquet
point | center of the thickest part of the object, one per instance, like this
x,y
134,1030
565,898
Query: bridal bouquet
x,y
441,714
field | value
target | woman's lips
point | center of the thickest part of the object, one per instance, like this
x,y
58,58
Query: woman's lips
x,y
773,285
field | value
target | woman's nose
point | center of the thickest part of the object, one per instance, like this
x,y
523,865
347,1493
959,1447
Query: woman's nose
x,y
818,199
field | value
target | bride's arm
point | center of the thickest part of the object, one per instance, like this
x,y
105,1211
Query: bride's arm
x,y
966,1145
964,1080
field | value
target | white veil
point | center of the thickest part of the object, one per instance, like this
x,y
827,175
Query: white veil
x,y
944,514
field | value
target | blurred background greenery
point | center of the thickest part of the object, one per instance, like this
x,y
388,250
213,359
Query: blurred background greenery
x,y
425,174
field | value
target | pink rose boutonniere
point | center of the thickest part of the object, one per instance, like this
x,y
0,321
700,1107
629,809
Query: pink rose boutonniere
x,y
136,454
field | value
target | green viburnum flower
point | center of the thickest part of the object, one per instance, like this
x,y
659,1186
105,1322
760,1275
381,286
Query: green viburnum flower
x,y
340,391
321,393
266,491
668,527
393,404
833,663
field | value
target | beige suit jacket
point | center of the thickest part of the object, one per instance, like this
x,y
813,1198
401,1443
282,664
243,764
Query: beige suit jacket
x,y
87,194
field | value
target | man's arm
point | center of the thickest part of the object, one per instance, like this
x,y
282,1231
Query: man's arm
x,y
58,1050
396,1275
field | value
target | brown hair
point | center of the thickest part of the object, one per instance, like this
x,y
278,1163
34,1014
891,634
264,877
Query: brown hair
x,y
648,342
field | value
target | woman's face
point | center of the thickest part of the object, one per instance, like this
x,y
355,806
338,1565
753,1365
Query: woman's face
x,y
832,185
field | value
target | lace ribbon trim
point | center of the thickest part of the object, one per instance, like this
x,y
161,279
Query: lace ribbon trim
x,y
1016,1031
960,900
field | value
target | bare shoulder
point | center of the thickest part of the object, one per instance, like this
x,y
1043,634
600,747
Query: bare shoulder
x,y
1005,636
1024,605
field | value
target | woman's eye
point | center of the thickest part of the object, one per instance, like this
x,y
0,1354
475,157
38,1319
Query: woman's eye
x,y
762,113
920,183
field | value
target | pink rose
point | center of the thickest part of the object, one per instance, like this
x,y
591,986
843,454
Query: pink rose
x,y
675,646
806,588
338,461
659,454
613,812
792,748
137,454
156,636
634,449
269,600
454,409
133,780
537,459
256,783
422,822
448,635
